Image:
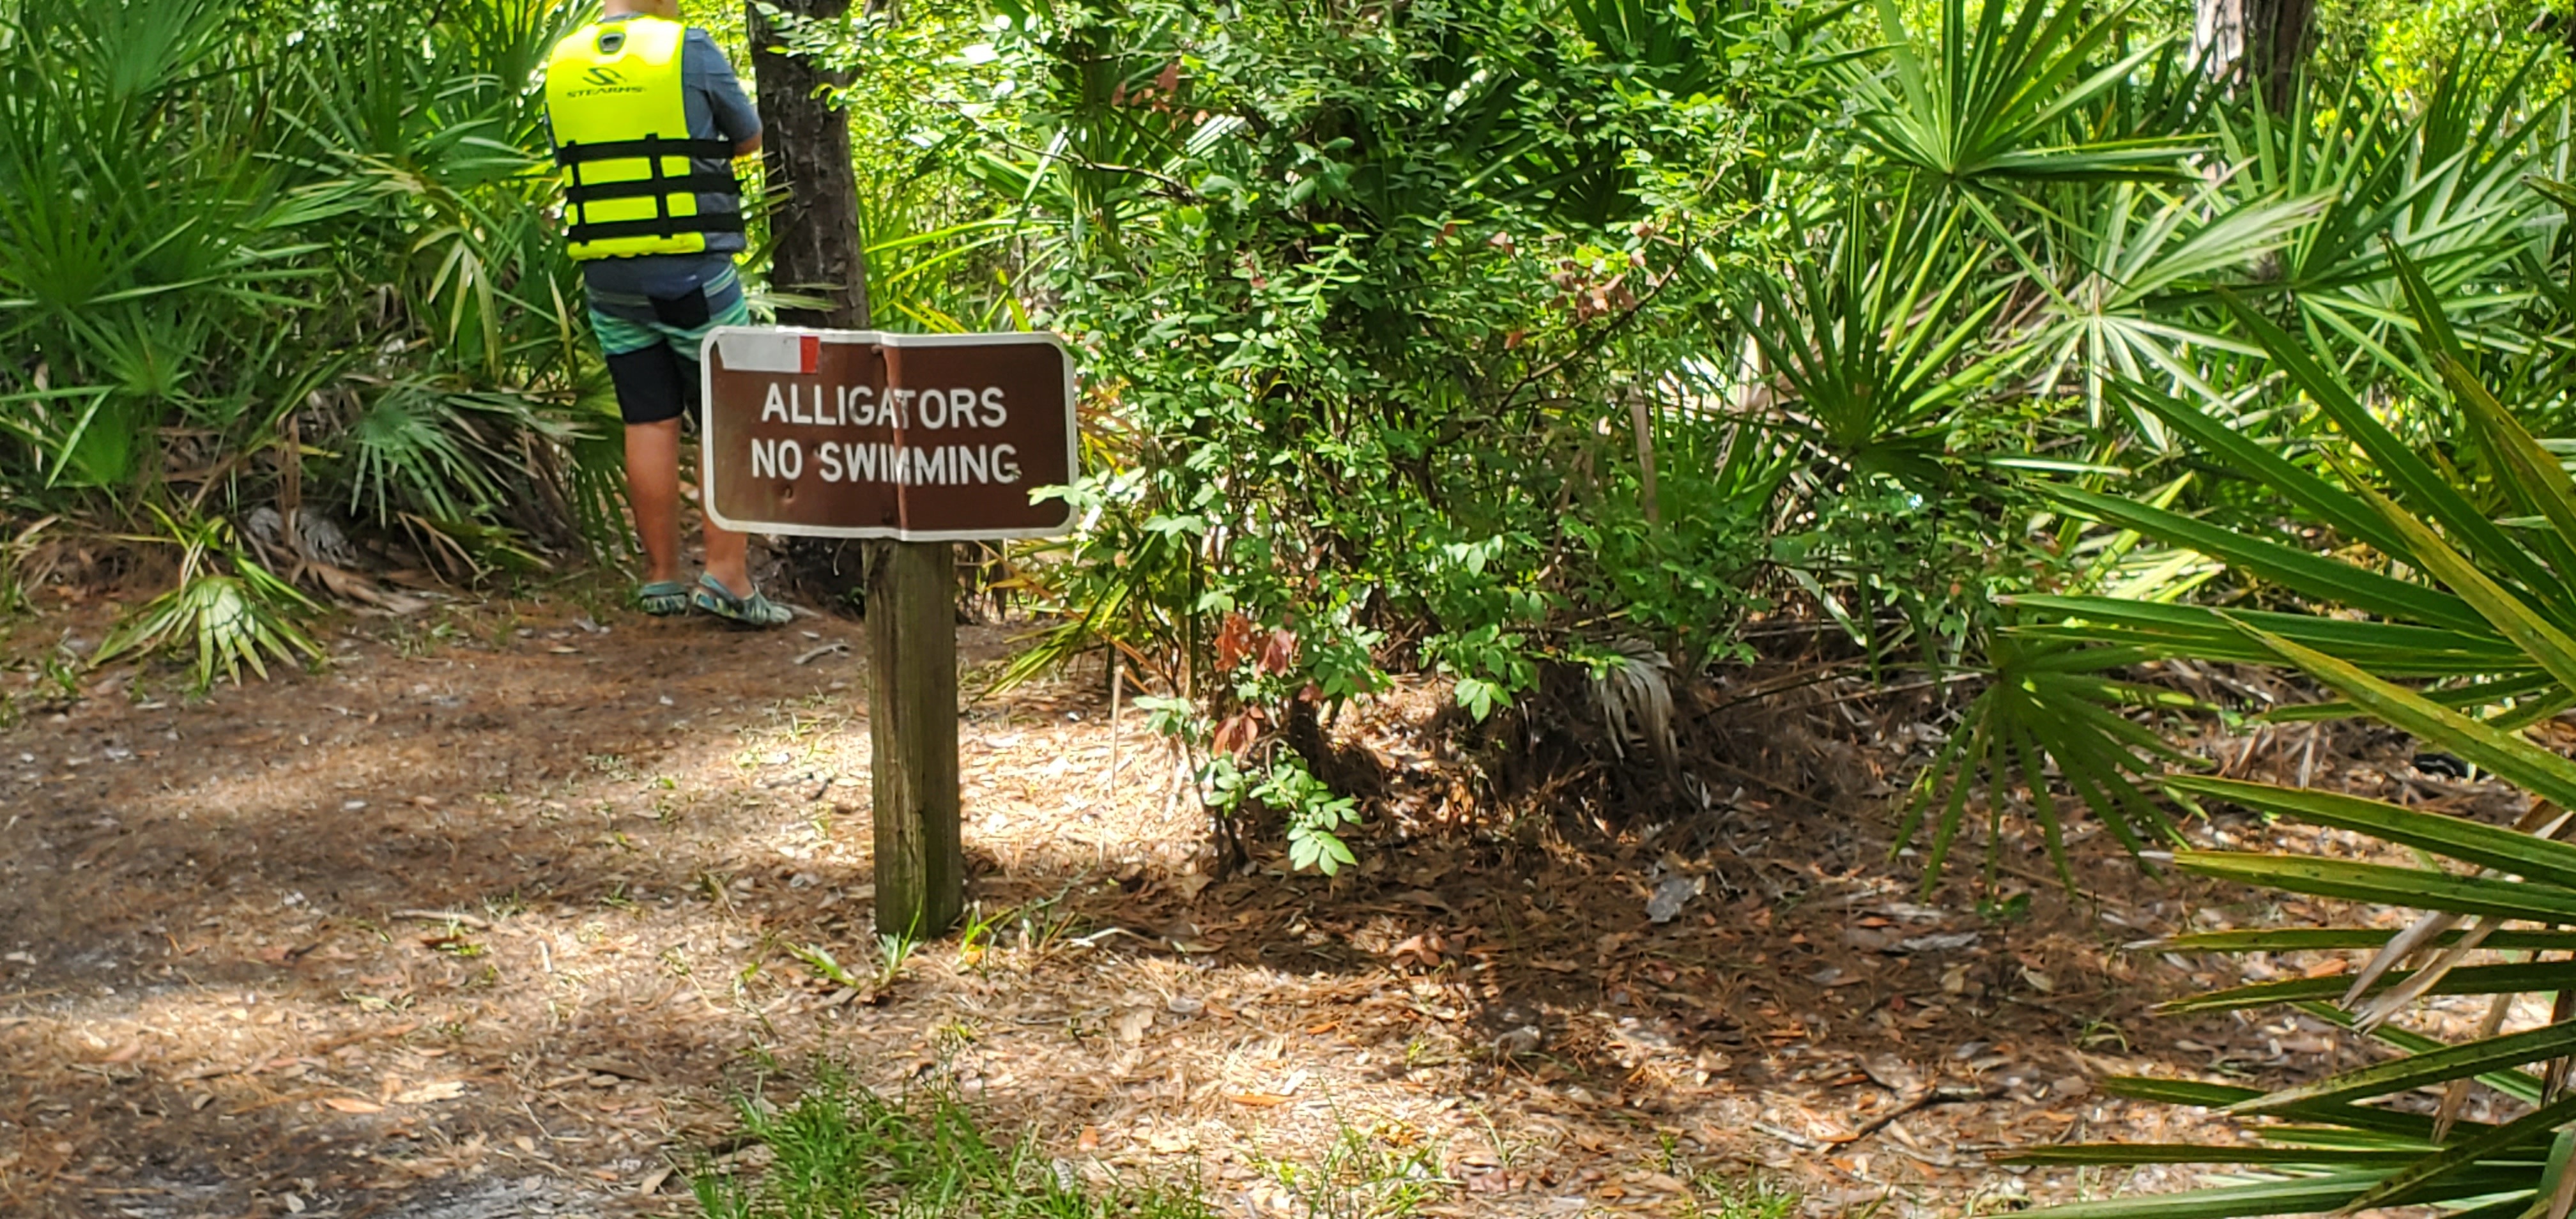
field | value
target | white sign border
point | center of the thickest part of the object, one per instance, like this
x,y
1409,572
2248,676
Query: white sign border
x,y
881,338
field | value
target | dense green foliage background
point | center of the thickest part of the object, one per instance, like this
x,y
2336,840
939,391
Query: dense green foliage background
x,y
244,238
1490,341
1482,339
1537,344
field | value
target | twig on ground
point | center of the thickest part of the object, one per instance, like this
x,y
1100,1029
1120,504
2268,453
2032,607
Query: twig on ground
x,y
1774,784
1937,1094
1791,1137
810,655
444,916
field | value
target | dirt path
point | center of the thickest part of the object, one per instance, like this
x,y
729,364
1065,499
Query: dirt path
x,y
230,985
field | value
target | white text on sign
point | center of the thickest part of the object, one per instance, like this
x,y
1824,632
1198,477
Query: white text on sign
x,y
946,465
860,406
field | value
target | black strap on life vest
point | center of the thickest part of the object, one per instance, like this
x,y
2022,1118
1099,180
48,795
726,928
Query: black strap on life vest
x,y
694,184
708,222
649,146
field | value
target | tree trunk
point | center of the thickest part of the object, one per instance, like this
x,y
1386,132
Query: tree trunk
x,y
805,143
814,220
2255,43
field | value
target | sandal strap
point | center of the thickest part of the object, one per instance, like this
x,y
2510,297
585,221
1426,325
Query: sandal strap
x,y
662,598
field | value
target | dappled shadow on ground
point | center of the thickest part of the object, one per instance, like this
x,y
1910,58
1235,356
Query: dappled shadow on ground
x,y
504,909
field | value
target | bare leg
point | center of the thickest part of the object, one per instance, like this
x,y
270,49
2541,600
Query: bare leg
x,y
653,487
726,550
725,561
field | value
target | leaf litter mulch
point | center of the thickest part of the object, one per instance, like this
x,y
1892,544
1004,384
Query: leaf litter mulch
x,y
502,910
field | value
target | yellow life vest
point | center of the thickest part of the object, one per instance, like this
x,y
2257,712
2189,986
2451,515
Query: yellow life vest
x,y
618,105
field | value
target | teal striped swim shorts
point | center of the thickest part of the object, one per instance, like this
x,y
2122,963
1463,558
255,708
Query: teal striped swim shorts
x,y
652,315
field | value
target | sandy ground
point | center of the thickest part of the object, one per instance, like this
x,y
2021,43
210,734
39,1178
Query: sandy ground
x,y
500,910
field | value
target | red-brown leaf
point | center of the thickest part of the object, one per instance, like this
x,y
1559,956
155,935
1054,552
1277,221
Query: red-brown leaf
x,y
1235,736
1233,642
1280,654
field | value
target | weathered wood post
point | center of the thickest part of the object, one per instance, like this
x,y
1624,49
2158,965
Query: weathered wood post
x,y
911,610
912,729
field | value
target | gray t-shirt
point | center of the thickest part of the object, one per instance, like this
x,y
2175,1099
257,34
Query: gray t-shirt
x,y
718,110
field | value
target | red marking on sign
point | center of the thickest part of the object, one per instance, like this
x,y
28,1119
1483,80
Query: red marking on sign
x,y
811,357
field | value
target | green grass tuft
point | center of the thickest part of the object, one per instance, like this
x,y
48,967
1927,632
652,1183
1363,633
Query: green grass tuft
x,y
1716,1197
843,1152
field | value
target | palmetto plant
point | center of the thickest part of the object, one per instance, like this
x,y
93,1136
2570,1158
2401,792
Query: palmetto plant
x,y
251,252
225,609
125,268
2465,653
2442,186
2130,307
1991,102
1880,332
2183,307
2499,536
2495,898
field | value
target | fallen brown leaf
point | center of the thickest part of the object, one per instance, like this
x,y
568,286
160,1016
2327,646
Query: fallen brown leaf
x,y
426,1093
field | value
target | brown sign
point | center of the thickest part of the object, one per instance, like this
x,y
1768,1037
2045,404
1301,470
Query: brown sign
x,y
860,434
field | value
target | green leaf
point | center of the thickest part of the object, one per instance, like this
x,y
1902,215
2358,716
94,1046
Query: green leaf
x,y
2385,885
2374,1127
2504,850
2317,1193
2539,482
2474,695
2313,575
2203,633
2535,1127
2303,939
2465,980
2420,485
2546,774
2511,1081
2192,1092
2204,1153
2241,454
2466,1061
2539,639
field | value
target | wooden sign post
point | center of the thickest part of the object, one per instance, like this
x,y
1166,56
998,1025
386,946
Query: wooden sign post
x,y
925,440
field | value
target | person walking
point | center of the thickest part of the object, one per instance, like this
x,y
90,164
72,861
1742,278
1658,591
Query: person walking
x,y
647,117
